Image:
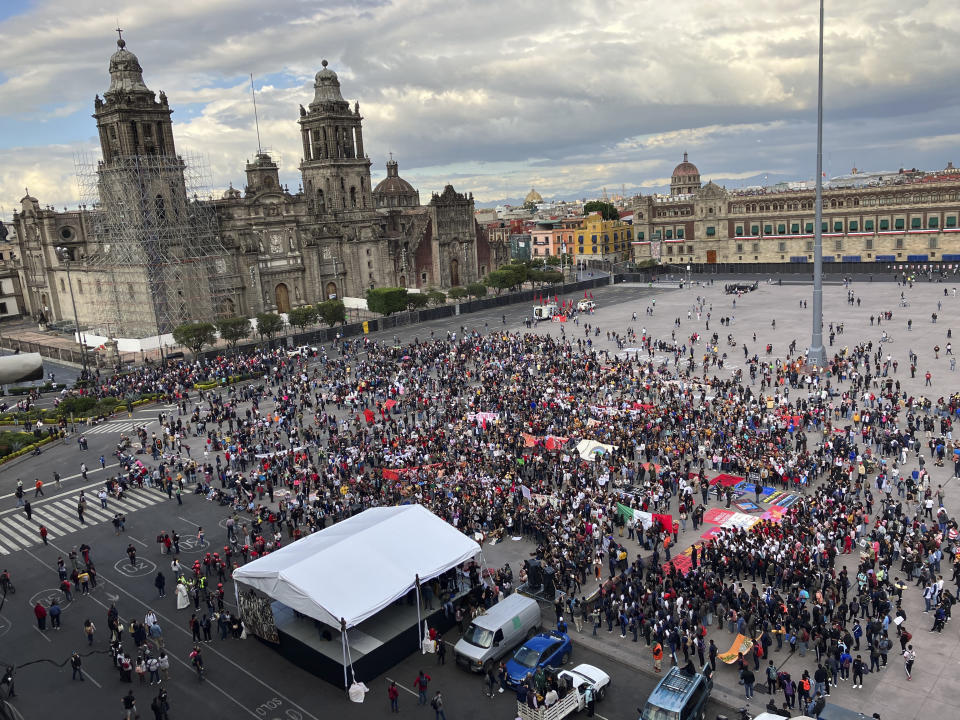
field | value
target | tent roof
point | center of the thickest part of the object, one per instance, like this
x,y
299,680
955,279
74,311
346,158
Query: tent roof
x,y
357,567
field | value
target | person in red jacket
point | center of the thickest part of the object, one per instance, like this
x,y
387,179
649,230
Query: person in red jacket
x,y
393,692
41,612
420,684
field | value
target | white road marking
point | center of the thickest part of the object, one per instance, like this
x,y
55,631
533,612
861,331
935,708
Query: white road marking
x,y
178,626
402,687
90,678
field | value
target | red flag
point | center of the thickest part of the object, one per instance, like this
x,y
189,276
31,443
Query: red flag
x,y
591,296
556,299
584,294
368,414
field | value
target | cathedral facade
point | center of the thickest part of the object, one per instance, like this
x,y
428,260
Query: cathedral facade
x,y
272,250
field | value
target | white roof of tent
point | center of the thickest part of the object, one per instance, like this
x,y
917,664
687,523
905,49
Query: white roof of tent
x,y
357,567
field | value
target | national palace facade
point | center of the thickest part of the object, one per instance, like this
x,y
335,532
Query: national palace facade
x,y
898,217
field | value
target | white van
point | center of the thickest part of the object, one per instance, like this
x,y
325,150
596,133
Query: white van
x,y
497,631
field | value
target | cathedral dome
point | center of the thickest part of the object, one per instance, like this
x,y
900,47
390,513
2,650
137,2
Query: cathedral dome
x,y
532,197
326,86
126,75
685,169
393,190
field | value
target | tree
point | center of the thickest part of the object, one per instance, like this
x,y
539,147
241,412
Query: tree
x,y
477,290
415,301
518,274
387,301
535,276
436,297
606,210
195,335
551,277
458,293
233,330
331,312
499,280
268,324
302,316
553,260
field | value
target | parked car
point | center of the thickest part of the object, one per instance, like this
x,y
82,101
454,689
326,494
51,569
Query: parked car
x,y
583,676
497,631
550,648
302,351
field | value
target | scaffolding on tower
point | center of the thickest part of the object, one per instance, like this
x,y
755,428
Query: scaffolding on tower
x,y
157,255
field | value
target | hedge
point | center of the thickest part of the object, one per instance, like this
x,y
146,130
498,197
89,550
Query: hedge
x,y
29,448
46,387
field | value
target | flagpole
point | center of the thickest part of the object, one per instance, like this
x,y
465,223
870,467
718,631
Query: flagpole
x,y
817,354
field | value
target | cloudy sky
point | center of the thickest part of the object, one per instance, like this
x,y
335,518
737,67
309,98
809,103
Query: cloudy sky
x,y
569,96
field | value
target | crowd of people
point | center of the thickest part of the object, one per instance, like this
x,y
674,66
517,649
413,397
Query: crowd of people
x,y
482,429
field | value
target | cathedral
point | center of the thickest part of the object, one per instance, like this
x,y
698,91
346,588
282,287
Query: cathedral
x,y
146,256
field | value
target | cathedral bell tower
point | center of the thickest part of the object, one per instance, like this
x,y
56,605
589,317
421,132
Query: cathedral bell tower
x,y
336,173
136,140
130,119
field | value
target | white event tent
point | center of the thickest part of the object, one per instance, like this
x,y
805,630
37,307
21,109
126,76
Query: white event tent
x,y
352,570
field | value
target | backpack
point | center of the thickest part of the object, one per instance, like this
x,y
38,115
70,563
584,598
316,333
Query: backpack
x,y
433,703
805,684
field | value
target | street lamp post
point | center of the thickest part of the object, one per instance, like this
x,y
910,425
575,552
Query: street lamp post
x,y
817,354
64,255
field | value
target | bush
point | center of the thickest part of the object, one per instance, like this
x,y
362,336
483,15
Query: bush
x,y
458,293
11,441
80,405
477,290
29,448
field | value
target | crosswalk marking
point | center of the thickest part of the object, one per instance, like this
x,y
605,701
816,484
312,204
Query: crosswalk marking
x,y
115,426
54,524
20,531
60,518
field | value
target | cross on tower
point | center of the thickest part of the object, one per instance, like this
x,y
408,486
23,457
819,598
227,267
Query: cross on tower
x,y
119,32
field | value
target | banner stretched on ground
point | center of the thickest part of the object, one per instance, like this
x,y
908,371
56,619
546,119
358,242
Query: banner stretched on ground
x,y
645,518
741,644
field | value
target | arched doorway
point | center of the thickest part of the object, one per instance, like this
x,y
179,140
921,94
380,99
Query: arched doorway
x,y
331,291
403,281
454,273
226,308
282,297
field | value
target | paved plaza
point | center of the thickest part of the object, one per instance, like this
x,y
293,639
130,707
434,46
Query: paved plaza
x,y
246,678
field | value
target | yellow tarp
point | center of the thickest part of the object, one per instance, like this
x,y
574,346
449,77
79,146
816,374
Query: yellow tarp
x,y
741,644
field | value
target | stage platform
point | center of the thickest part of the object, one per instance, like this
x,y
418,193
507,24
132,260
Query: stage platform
x,y
376,644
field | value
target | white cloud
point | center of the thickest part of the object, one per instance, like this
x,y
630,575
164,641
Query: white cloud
x,y
568,96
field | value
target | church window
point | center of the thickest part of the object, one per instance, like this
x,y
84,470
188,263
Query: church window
x,y
321,203
353,196
161,207
99,287
148,131
79,286
63,288
113,132
130,291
